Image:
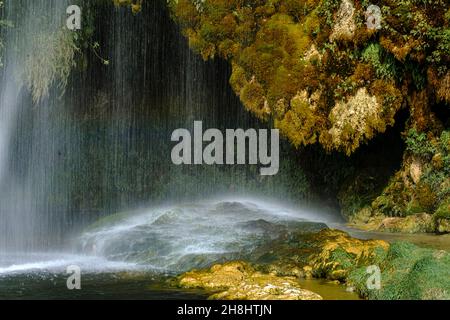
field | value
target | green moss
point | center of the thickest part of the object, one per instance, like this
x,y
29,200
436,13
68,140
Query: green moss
x,y
298,123
414,207
408,272
426,196
394,198
383,62
445,141
443,212
343,259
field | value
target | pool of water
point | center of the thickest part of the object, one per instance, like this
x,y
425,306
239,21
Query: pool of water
x,y
96,286
44,276
328,289
133,256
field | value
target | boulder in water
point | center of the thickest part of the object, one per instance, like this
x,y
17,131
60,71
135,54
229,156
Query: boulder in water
x,y
240,281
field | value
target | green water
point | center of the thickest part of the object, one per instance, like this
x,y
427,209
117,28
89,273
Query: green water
x,y
122,286
99,286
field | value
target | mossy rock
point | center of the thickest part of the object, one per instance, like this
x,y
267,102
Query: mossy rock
x,y
443,212
442,217
238,280
407,271
417,223
339,254
426,197
443,225
363,216
414,207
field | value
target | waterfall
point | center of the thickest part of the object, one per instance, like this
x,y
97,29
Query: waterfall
x,y
102,146
28,135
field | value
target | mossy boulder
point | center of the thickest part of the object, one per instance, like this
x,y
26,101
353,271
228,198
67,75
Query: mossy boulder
x,y
406,271
418,223
240,281
330,254
443,225
339,254
442,217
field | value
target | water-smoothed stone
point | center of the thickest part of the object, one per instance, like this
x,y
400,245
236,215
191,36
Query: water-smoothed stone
x,y
240,281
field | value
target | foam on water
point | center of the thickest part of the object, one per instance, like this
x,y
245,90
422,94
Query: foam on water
x,y
12,264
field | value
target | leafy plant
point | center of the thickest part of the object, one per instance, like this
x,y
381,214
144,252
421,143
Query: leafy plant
x,y
419,144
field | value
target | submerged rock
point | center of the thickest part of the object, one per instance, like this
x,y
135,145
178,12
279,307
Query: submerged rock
x,y
240,281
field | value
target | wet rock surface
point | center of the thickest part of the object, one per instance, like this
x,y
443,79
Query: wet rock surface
x,y
274,270
240,281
